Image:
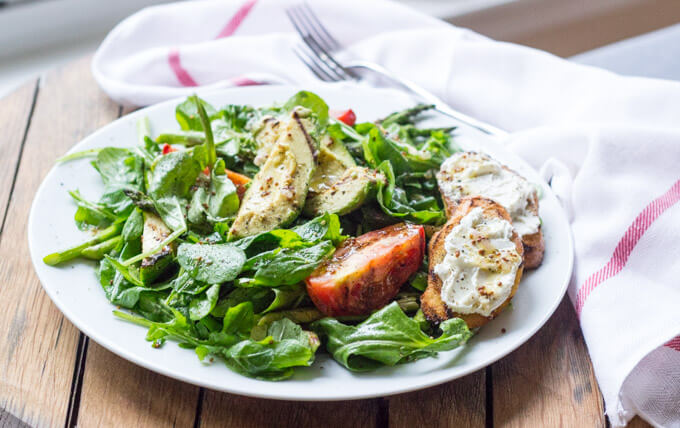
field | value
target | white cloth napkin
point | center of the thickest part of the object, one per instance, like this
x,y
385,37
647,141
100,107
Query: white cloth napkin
x,y
609,144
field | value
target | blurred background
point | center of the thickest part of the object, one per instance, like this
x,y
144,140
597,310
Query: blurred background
x,y
36,35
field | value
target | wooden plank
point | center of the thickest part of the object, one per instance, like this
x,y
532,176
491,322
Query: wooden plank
x,y
119,393
37,351
459,403
227,410
15,110
549,381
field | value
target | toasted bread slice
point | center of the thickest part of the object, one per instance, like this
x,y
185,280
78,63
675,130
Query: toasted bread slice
x,y
433,306
534,246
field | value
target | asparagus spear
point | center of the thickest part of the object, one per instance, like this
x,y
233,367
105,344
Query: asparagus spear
x,y
405,116
186,138
73,252
97,251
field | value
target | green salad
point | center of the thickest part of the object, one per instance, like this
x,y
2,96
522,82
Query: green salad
x,y
256,235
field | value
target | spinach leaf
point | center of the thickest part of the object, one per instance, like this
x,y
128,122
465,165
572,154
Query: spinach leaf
x,y
310,101
201,306
326,226
211,264
285,297
91,213
187,116
274,357
388,337
239,319
394,202
119,169
134,225
213,202
173,174
224,200
289,266
172,212
121,284
260,298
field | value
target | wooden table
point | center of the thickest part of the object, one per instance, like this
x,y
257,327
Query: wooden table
x,y
53,375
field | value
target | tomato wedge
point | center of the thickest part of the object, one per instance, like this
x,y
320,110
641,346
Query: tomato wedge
x,y
346,116
167,148
240,181
366,272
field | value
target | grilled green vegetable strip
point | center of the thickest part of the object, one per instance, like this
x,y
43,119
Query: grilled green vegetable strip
x,y
73,252
185,138
405,116
98,251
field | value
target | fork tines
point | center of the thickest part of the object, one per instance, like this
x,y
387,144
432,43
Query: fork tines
x,y
319,45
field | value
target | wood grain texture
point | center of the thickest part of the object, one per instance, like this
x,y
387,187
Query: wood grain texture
x,y
38,345
459,403
14,114
118,393
227,410
549,381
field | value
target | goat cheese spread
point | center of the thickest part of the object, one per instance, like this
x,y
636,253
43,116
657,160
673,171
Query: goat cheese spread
x,y
476,174
480,266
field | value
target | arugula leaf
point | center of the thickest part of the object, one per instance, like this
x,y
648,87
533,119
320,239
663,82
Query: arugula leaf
x,y
211,264
388,337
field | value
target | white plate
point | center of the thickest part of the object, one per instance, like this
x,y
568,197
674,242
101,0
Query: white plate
x,y
75,290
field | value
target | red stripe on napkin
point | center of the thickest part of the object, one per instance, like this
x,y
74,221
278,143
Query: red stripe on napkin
x,y
628,242
237,19
244,81
674,343
182,75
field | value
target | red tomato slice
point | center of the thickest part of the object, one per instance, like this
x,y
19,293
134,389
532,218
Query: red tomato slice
x,y
346,116
366,272
167,148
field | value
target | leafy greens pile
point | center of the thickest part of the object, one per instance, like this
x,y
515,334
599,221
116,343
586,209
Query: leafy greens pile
x,y
244,300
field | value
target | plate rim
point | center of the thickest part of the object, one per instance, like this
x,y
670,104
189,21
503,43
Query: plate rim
x,y
413,384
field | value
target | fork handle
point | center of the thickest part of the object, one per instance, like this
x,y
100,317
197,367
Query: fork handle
x,y
429,97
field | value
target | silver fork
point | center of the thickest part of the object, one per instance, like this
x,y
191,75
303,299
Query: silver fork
x,y
316,54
